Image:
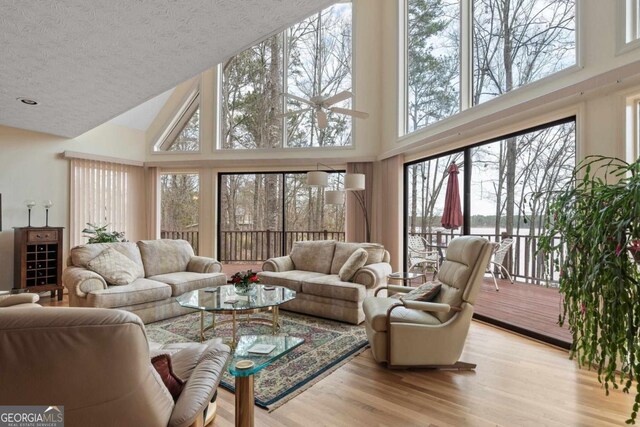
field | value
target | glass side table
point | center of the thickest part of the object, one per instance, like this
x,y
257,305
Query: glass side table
x,y
245,399
406,277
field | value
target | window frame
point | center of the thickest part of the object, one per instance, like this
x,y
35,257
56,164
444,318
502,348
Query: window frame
x,y
284,147
466,69
180,119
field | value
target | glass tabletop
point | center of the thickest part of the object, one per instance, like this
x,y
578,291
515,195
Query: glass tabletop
x,y
283,345
403,275
225,298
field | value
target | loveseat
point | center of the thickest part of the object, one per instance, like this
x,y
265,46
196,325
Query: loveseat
x,y
145,282
314,269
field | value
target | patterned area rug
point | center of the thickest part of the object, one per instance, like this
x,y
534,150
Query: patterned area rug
x,y
327,346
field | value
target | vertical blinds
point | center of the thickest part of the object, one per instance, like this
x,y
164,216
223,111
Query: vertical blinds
x,y
105,193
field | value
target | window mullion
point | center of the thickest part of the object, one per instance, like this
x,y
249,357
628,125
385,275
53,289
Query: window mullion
x,y
466,55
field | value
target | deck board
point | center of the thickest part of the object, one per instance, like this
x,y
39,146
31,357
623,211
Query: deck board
x,y
529,307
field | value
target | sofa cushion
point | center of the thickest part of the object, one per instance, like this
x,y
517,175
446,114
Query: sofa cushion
x,y
165,256
330,286
82,255
114,267
289,279
185,281
356,261
138,292
375,312
344,250
314,255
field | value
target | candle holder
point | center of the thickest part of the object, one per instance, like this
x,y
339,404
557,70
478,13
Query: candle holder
x,y
29,204
47,205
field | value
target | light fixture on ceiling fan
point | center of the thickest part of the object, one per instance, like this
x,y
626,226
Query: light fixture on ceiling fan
x,y
324,104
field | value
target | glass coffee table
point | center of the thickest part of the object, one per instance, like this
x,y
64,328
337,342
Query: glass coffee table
x,y
246,363
225,300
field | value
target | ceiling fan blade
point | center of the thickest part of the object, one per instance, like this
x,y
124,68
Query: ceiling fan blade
x,y
322,119
293,113
337,98
353,113
297,98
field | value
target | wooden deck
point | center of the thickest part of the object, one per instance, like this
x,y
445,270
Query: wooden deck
x,y
530,310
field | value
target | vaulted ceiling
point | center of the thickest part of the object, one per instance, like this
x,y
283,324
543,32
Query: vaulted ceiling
x,y
87,61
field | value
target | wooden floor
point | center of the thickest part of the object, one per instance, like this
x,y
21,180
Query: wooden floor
x,y
523,307
518,382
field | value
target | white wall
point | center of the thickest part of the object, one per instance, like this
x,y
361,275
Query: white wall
x,y
31,168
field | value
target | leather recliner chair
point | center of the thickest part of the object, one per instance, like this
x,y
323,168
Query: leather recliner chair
x,y
96,363
430,334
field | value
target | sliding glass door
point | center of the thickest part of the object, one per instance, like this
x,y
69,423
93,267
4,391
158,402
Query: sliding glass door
x,y
496,183
262,214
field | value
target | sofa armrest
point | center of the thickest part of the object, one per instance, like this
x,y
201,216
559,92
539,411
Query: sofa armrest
x,y
283,263
18,299
373,275
200,264
81,281
201,385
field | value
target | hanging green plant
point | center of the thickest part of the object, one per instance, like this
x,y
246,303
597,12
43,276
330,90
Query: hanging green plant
x,y
593,227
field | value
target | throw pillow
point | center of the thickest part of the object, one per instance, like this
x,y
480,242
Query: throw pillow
x,y
425,292
356,261
162,364
375,251
116,268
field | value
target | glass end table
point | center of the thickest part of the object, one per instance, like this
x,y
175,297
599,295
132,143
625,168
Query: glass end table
x,y
225,300
244,394
407,277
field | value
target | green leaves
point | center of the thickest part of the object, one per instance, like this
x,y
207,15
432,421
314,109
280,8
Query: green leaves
x,y
597,220
99,234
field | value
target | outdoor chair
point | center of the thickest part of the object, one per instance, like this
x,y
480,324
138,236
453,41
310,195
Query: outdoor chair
x,y
422,255
414,333
498,260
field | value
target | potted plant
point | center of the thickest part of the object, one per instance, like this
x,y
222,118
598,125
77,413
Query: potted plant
x,y
99,234
245,282
593,230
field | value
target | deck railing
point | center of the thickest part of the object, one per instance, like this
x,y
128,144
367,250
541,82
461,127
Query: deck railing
x,y
522,261
191,236
260,245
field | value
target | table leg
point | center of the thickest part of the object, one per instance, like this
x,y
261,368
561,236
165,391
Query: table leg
x,y
233,329
244,401
201,326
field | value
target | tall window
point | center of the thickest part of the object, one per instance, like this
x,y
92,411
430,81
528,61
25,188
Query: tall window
x,y
106,194
311,58
262,214
180,207
433,61
503,175
632,17
504,44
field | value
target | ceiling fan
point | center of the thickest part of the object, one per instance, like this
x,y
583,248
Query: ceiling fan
x,y
322,105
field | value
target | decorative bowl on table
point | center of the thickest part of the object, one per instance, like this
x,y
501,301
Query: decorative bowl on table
x,y
245,282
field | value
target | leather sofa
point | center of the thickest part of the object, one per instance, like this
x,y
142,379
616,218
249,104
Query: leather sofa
x,y
97,364
166,270
312,271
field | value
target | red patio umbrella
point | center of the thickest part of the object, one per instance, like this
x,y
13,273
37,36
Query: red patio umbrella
x,y
452,214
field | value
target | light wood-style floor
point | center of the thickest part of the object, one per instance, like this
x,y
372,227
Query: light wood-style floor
x,y
518,382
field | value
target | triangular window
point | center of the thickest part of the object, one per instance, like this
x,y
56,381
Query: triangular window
x,y
184,134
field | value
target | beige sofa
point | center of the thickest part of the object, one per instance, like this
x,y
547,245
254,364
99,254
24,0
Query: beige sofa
x,y
96,363
312,271
167,269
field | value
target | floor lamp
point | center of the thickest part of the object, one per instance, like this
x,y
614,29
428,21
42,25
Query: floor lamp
x,y
353,182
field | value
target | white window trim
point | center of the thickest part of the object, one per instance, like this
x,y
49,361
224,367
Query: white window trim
x,y
182,116
283,146
466,72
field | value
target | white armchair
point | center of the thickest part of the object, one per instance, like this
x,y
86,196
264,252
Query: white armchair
x,y
430,334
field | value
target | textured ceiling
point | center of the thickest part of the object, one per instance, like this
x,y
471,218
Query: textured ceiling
x,y
87,61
